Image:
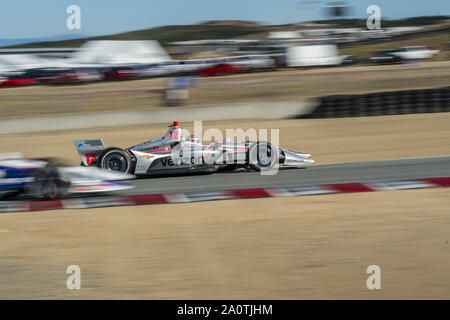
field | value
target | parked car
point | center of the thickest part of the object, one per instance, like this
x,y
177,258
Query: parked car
x,y
158,69
72,76
386,56
410,53
416,53
121,73
17,81
250,62
38,73
221,69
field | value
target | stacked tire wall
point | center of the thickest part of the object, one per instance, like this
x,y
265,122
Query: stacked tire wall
x,y
384,103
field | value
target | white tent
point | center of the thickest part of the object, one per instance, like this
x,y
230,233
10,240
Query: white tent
x,y
13,62
106,52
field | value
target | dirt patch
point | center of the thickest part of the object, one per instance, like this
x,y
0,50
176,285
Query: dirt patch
x,y
312,247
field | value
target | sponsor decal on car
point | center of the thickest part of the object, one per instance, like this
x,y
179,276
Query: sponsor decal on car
x,y
181,161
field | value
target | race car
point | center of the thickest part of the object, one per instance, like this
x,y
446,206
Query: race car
x,y
48,179
176,154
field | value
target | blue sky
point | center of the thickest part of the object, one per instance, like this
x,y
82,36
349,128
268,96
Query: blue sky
x,y
42,18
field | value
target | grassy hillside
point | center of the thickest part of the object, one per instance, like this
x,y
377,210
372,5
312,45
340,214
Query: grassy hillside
x,y
413,21
438,39
165,34
223,29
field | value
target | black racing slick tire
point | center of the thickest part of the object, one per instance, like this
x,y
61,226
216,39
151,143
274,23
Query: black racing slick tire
x,y
47,184
115,159
262,156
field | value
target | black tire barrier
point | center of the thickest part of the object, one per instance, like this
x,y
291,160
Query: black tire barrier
x,y
384,103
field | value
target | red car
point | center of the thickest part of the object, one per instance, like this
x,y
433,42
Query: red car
x,y
121,73
17,82
71,77
221,69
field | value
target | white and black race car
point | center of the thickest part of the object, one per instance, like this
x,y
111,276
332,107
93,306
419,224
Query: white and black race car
x,y
176,154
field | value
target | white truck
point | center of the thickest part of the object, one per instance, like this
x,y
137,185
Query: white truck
x,y
403,54
313,55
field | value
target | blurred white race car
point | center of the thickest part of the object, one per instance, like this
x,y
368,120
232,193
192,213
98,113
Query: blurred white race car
x,y
49,179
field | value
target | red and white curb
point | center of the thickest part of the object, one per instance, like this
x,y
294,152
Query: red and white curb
x,y
146,199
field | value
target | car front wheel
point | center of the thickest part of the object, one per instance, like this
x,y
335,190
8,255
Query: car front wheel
x,y
262,156
47,184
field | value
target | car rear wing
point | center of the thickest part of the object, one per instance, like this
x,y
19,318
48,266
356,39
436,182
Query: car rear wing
x,y
89,150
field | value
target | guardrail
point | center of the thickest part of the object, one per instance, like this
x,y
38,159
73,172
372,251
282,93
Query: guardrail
x,y
383,103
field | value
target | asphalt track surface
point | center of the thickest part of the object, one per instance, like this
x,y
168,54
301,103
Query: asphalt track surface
x,y
316,174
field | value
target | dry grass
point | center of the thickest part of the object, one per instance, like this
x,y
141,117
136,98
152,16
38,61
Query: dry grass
x,y
315,247
329,140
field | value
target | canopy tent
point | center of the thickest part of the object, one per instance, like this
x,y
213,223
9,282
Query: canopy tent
x,y
108,52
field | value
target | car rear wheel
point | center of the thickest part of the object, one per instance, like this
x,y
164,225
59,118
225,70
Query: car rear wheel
x,y
115,159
